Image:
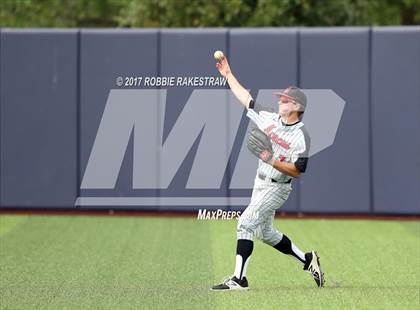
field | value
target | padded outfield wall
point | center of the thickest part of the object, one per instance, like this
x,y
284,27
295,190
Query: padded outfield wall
x,y
56,87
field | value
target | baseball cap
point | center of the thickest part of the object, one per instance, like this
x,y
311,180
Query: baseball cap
x,y
295,94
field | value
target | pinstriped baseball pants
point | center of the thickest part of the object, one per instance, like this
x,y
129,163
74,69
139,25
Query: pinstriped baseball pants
x,y
257,219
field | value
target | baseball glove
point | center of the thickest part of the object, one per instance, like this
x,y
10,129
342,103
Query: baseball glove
x,y
260,145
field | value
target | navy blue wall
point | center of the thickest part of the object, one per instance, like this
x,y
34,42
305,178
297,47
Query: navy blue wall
x,y
396,120
105,55
38,118
54,85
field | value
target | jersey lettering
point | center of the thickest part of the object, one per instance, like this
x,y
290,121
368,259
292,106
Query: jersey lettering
x,y
275,138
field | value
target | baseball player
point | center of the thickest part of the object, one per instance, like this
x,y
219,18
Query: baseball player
x,y
285,157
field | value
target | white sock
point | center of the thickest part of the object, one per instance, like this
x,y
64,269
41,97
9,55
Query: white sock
x,y
241,267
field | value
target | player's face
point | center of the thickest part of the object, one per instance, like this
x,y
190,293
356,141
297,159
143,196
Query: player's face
x,y
286,105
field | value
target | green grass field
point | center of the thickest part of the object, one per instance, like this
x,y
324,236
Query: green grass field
x,y
64,262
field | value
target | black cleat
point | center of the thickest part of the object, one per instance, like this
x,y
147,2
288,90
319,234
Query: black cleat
x,y
232,284
312,266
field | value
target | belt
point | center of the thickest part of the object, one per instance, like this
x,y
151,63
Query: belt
x,y
263,177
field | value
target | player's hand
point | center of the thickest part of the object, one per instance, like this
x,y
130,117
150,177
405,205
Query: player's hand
x,y
223,67
266,156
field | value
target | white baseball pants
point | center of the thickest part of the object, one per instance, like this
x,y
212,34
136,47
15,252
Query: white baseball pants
x,y
257,219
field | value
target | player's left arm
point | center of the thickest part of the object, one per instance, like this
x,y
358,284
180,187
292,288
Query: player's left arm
x,y
286,168
299,158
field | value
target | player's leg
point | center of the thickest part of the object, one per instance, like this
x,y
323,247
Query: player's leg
x,y
251,223
247,228
244,248
282,243
246,231
272,236
238,281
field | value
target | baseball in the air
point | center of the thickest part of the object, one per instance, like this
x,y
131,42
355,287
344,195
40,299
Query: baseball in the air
x,y
218,55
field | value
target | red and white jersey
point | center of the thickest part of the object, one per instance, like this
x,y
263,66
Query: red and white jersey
x,y
290,143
